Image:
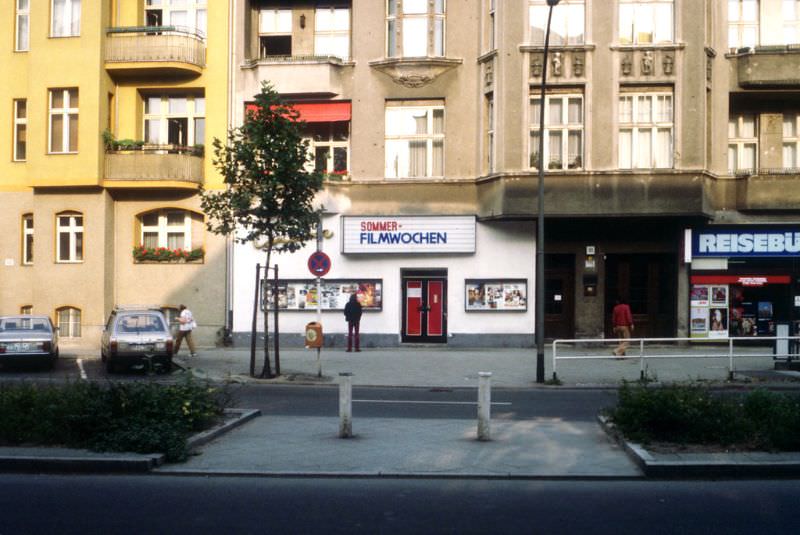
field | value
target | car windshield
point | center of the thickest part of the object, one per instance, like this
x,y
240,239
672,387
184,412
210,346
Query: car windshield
x,y
24,324
140,323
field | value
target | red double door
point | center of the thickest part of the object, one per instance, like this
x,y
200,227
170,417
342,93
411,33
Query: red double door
x,y
424,308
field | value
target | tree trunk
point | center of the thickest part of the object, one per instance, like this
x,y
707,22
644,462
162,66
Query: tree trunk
x,y
266,372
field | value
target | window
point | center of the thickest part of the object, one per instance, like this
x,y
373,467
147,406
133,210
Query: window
x,y
492,22
20,129
563,140
66,18
742,142
791,22
69,242
69,322
332,32
275,32
23,30
63,120
184,14
27,239
743,23
490,132
791,140
566,26
414,141
645,130
645,22
171,229
26,310
419,26
177,120
330,145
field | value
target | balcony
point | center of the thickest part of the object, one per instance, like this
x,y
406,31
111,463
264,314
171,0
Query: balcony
x,y
169,51
148,166
324,75
768,66
768,189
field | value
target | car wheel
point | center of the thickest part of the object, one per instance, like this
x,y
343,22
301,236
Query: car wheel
x,y
167,367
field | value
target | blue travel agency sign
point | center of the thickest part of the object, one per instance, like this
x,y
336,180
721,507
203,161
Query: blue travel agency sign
x,y
745,242
408,234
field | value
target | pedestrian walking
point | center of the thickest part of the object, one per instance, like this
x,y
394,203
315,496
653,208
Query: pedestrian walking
x,y
352,313
186,325
622,320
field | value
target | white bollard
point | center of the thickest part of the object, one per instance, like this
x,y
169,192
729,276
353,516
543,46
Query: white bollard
x,y
484,405
346,405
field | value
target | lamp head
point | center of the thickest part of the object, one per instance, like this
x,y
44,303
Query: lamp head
x,y
552,3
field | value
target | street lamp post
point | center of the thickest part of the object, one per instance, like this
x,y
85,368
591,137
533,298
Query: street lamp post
x,y
540,295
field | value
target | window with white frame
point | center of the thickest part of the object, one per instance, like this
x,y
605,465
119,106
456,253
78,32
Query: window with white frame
x,y
490,132
26,310
332,32
22,27
27,239
645,22
742,142
791,21
415,28
566,26
66,18
414,140
20,129
69,237
69,322
742,23
329,144
63,120
171,229
492,22
177,120
563,140
645,130
184,14
275,32
791,140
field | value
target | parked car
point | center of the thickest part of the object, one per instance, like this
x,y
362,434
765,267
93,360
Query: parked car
x,y
27,339
136,337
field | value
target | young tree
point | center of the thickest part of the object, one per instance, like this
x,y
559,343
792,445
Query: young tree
x,y
269,193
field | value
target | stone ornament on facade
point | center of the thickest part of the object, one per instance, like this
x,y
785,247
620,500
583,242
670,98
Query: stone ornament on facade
x,y
536,66
627,64
489,74
647,63
668,64
558,62
578,62
413,80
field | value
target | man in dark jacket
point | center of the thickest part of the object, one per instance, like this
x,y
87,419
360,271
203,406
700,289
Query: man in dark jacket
x,y
352,313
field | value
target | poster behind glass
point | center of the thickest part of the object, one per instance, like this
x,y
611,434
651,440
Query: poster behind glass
x,y
709,311
496,294
301,294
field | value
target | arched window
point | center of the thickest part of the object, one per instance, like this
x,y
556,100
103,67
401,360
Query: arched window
x,y
69,237
69,322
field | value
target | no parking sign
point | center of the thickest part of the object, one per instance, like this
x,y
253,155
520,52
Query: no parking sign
x,y
319,264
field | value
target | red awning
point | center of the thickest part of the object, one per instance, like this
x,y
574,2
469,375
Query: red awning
x,y
744,280
320,112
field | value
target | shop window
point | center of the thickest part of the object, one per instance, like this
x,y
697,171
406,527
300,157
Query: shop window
x,y
743,143
275,32
63,120
415,28
69,239
22,27
66,18
329,144
332,32
176,120
414,141
566,25
187,15
563,141
27,239
645,130
20,129
743,23
69,322
170,229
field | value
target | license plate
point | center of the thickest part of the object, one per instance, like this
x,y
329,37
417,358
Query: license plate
x,y
21,346
141,348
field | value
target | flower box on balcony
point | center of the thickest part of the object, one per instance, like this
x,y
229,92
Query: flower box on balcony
x,y
161,255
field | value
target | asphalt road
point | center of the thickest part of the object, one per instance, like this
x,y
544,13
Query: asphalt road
x,y
199,505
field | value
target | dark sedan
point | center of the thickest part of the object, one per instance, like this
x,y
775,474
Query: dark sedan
x,y
28,340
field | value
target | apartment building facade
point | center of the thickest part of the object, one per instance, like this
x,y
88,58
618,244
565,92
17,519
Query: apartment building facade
x,y
110,105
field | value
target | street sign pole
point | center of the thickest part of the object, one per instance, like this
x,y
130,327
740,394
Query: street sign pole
x,y
319,297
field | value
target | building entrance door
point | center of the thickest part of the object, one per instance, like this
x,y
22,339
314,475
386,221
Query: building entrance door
x,y
424,306
559,304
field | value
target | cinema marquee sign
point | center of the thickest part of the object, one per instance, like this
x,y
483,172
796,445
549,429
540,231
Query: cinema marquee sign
x,y
746,242
408,234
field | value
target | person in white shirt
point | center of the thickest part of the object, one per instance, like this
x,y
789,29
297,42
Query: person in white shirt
x,y
186,325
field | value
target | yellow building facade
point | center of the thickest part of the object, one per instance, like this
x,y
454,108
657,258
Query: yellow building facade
x,y
108,108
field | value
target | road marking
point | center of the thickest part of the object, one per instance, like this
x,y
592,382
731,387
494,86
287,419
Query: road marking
x,y
83,372
405,401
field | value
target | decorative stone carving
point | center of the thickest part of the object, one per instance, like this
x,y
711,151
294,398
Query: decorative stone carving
x,y
415,72
709,68
627,64
668,64
488,74
536,66
413,80
647,63
558,62
578,62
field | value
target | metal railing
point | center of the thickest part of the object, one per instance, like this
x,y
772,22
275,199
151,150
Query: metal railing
x,y
155,44
792,350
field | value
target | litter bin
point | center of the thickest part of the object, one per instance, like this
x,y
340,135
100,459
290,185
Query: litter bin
x,y
313,335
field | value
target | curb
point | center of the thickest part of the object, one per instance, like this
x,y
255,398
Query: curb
x,y
240,416
287,474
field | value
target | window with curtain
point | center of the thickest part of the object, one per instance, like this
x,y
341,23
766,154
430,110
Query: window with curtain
x,y
69,237
69,322
63,120
791,140
329,144
645,131
563,140
22,26
27,239
645,22
566,25
20,129
171,229
175,120
332,32
66,18
415,28
414,141
189,15
743,143
743,23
